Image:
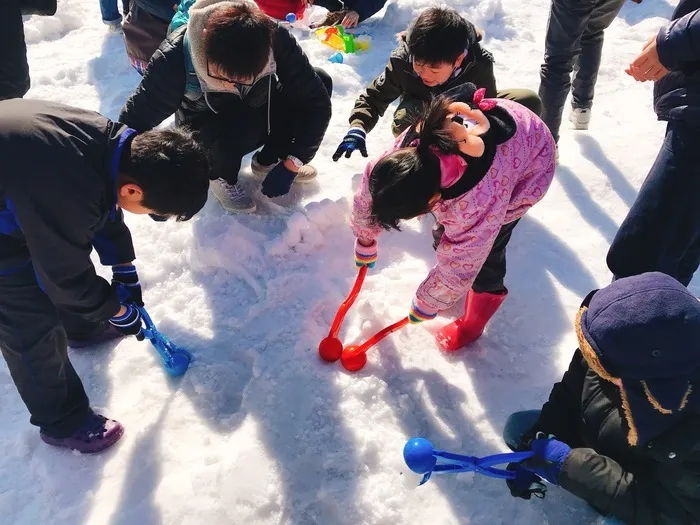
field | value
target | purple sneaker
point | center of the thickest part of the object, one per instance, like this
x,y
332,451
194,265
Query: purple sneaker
x,y
95,435
103,333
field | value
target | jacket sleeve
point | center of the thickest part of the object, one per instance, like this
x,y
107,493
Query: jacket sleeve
x,y
60,243
306,93
113,243
560,414
461,254
679,42
649,497
363,226
366,8
161,90
372,104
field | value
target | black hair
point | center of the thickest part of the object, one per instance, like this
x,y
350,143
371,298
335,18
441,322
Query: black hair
x,y
238,39
172,170
403,182
439,35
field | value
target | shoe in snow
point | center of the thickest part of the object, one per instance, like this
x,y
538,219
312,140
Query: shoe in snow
x,y
233,197
103,333
307,173
115,26
260,170
478,309
95,435
580,117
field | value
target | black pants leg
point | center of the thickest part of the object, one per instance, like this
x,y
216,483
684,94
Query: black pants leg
x,y
492,274
662,229
277,144
33,343
76,327
230,135
568,23
14,70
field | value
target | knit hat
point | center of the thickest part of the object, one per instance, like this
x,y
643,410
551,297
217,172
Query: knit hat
x,y
642,333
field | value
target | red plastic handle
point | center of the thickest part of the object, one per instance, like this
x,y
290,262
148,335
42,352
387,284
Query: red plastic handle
x,y
349,300
376,338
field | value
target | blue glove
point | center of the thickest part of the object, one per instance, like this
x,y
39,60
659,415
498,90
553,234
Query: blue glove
x,y
550,454
525,484
354,139
129,323
278,182
127,278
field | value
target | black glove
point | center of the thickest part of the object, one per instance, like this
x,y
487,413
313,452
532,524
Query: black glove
x,y
278,182
354,139
125,277
129,323
525,484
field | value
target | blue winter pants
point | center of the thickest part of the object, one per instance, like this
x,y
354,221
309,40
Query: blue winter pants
x,y
662,229
517,425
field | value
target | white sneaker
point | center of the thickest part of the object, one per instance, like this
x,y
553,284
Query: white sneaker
x,y
260,170
114,27
232,197
580,117
307,173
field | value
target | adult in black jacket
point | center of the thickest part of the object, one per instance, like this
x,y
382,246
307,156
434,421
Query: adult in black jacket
x,y
241,81
66,175
622,428
662,229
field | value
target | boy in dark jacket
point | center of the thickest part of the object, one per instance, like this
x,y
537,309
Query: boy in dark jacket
x,y
622,428
240,81
66,175
440,50
662,229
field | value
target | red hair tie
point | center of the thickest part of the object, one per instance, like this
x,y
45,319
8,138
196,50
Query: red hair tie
x,y
481,103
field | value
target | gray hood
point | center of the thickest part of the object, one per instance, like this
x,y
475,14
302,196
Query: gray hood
x,y
199,17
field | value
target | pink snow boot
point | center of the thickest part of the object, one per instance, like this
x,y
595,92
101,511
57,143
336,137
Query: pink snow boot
x,y
478,309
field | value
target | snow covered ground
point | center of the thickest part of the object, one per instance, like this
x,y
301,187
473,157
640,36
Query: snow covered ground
x,y
259,431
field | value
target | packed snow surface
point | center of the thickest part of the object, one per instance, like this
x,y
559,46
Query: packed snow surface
x,y
259,430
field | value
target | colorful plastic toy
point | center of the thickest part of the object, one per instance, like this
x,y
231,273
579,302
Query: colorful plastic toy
x,y
176,360
336,58
331,347
421,458
354,357
337,38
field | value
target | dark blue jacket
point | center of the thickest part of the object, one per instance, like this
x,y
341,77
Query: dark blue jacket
x,y
58,199
677,95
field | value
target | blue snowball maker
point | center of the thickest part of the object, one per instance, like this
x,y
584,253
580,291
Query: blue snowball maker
x,y
418,455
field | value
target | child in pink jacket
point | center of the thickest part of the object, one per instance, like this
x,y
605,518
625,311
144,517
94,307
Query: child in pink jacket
x,y
478,165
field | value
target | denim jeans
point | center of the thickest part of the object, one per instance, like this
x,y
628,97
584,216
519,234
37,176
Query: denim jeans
x,y
517,425
661,232
574,42
110,11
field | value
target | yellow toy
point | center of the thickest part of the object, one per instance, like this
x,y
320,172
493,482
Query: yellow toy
x,y
337,38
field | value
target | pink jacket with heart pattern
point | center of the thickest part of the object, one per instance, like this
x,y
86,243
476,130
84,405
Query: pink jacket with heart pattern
x,y
518,178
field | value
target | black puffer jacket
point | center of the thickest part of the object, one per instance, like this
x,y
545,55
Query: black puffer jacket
x,y
399,80
657,483
163,88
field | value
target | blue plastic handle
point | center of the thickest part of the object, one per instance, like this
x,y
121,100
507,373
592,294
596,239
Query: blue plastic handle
x,y
176,360
421,457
